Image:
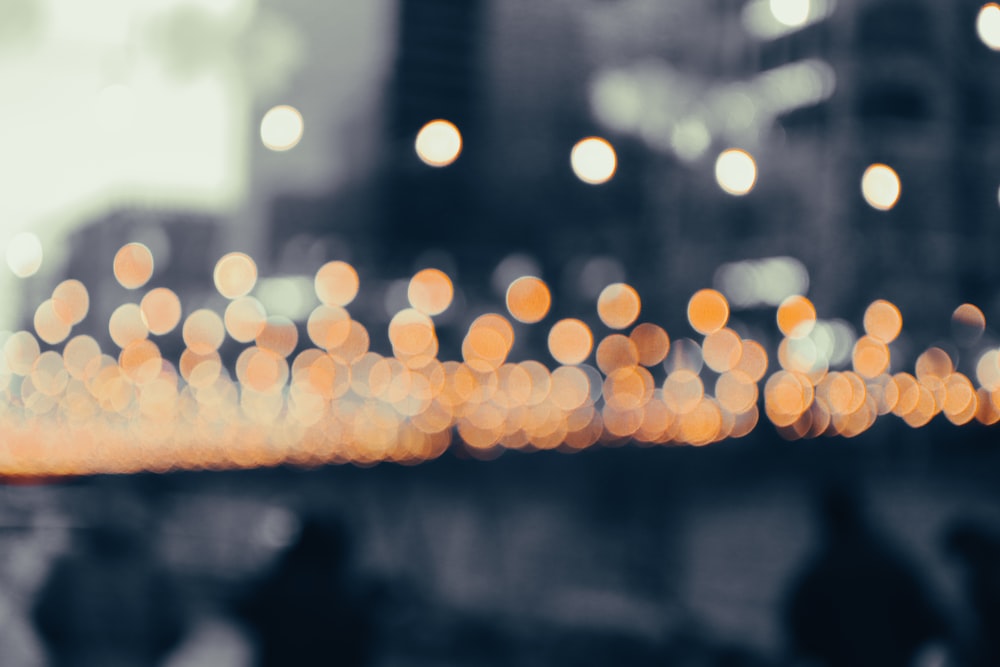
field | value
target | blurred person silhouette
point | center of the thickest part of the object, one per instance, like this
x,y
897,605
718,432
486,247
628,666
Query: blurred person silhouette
x,y
858,603
976,547
108,602
306,610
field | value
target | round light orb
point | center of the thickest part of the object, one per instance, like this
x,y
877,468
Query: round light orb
x,y
24,254
281,128
791,13
988,25
593,160
736,171
438,143
880,186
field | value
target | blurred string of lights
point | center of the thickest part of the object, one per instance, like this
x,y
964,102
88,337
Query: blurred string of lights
x,y
68,407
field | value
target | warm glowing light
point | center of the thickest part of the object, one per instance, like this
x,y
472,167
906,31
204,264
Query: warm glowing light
x,y
281,128
753,360
235,275
278,335
161,310
71,301
244,318
735,171
796,316
988,25
570,342
126,325
870,357
616,351
336,283
933,363
20,351
24,254
203,331
438,143
880,186
651,342
593,160
48,325
618,305
722,350
133,265
792,13
332,399
430,291
883,321
528,299
968,323
707,311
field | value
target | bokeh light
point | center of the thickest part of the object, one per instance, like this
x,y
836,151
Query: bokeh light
x,y
593,160
528,299
430,291
707,311
988,25
203,331
24,254
791,13
735,171
880,186
618,305
968,323
651,342
235,275
438,143
796,316
570,341
883,321
281,128
71,301
336,283
161,310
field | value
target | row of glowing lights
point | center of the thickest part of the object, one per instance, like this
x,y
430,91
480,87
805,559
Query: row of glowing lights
x,y
81,410
593,159
796,14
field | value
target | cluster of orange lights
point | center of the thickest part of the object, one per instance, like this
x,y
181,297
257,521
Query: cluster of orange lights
x,y
79,410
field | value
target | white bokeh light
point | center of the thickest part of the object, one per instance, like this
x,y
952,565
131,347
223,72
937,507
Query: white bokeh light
x,y
736,171
880,186
438,143
24,254
791,13
281,128
593,160
988,25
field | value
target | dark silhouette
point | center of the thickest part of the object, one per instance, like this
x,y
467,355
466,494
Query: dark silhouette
x,y
108,603
977,549
858,603
306,611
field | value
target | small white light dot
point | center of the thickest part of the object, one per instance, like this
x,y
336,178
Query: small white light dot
x,y
438,143
988,25
24,254
593,160
880,186
736,171
281,128
791,13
